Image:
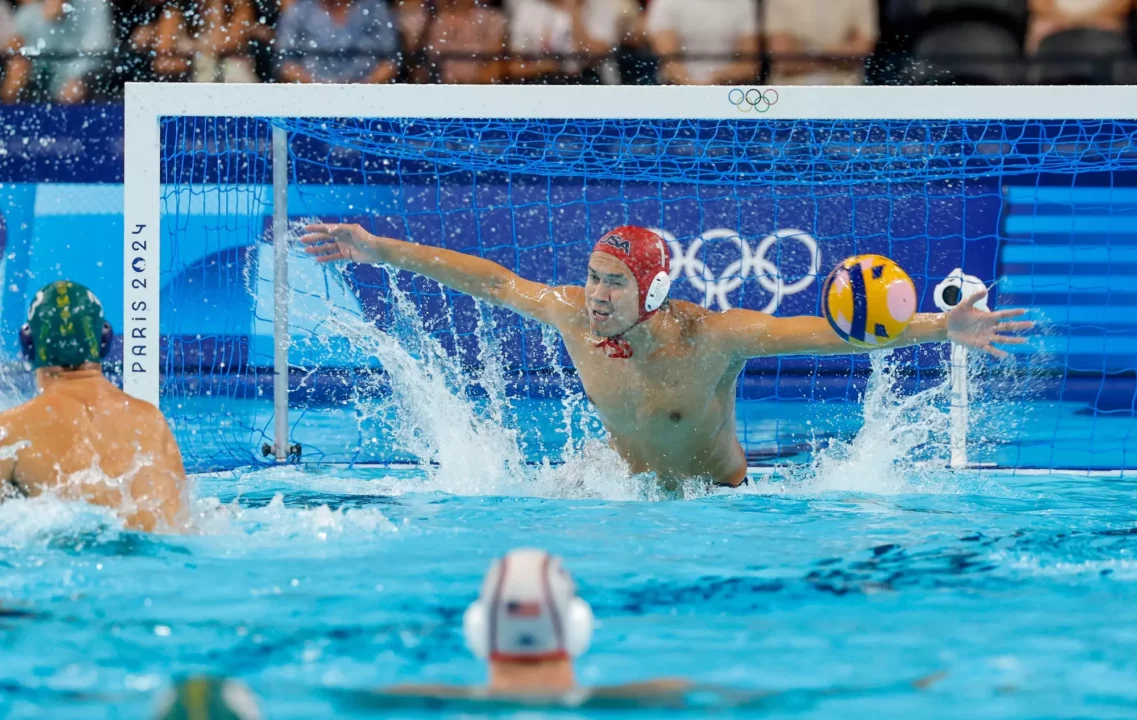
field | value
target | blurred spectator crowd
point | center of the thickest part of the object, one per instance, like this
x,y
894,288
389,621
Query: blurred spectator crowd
x,y
76,50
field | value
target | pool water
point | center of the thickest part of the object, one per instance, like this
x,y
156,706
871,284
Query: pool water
x,y
835,580
1020,589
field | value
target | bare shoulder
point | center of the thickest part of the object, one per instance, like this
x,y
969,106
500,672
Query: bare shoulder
x,y
14,420
14,414
728,322
144,416
688,311
649,687
566,304
147,412
713,327
42,409
133,405
434,691
568,296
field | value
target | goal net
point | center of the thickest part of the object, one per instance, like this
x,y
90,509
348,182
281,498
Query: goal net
x,y
759,191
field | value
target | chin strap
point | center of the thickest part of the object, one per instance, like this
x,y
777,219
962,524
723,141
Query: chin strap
x,y
619,348
616,347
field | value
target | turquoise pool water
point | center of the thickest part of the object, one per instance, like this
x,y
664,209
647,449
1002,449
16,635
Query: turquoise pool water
x,y
833,582
1020,589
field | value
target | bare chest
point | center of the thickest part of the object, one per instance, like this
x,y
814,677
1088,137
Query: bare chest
x,y
674,390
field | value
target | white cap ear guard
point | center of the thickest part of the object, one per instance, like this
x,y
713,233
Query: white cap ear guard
x,y
657,291
528,610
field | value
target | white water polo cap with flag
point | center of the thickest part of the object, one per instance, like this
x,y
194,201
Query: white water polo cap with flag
x,y
528,611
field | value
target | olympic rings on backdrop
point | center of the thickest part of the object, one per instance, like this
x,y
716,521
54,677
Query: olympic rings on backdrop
x,y
752,261
753,99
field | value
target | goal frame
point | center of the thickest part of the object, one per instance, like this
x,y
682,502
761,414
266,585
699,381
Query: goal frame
x,y
147,103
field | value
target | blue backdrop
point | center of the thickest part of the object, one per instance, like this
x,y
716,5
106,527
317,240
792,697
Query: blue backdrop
x,y
1057,241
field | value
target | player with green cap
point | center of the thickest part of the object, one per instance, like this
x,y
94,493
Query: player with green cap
x,y
81,437
202,697
65,327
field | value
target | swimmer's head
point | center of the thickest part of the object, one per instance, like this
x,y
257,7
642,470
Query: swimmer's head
x,y
628,280
528,611
65,327
208,698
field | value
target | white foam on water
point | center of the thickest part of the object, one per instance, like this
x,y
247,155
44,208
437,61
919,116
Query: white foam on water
x,y
211,517
900,435
47,520
903,446
38,521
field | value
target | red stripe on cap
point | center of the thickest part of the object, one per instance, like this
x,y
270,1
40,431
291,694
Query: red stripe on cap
x,y
494,605
554,611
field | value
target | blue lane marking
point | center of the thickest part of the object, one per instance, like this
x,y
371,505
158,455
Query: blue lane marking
x,y
1068,254
1088,315
1088,299
1069,224
1018,269
1122,345
1066,283
1030,195
1079,239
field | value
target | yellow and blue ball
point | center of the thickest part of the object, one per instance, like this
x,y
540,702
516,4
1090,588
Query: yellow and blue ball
x,y
868,300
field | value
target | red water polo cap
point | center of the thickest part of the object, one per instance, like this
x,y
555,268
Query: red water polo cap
x,y
646,255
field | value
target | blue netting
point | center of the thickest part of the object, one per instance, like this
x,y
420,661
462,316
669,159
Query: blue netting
x,y
1045,204
741,153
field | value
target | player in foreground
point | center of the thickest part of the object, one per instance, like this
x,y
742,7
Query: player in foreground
x,y
661,373
208,698
529,624
81,437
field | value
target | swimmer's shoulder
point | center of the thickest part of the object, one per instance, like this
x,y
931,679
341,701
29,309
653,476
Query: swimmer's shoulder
x,y
693,319
132,407
569,299
446,692
688,313
628,690
17,422
658,686
568,307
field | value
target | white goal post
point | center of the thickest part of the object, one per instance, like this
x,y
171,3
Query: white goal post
x,y
147,103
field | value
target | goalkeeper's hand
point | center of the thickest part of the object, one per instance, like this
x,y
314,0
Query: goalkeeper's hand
x,y
982,330
341,242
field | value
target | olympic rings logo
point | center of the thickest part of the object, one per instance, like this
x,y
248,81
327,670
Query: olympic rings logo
x,y
753,99
751,261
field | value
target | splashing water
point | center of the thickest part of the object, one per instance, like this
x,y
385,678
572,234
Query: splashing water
x,y
215,518
472,447
903,446
465,448
900,438
46,519
468,447
50,521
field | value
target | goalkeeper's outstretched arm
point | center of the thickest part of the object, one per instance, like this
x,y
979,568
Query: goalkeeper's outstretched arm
x,y
468,274
753,334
